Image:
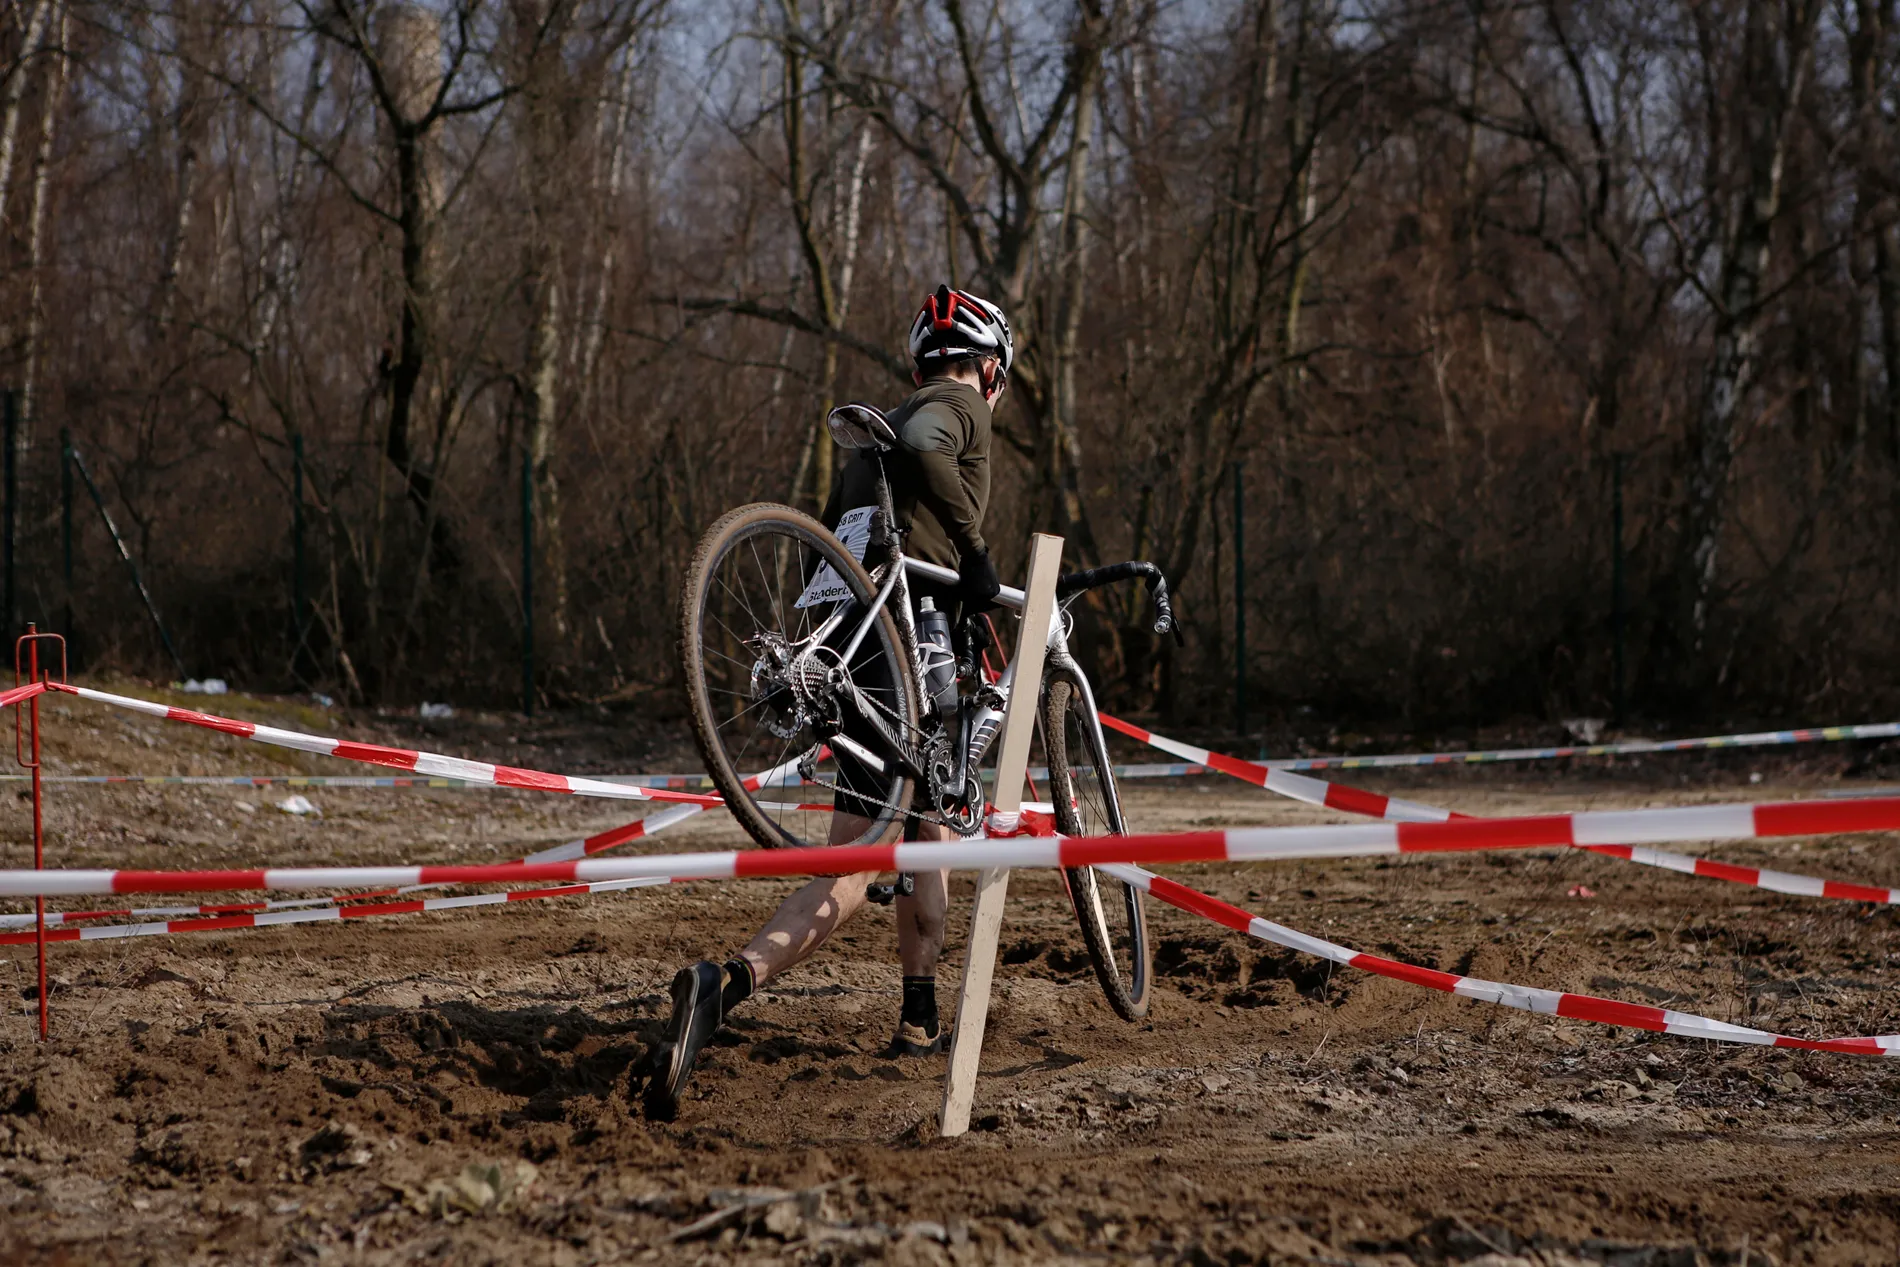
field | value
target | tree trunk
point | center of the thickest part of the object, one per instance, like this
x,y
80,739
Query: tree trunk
x,y
1299,142
594,330
824,464
544,84
411,43
1887,290
1239,306
1874,205
1064,460
35,242
831,292
544,371
1768,117
186,134
277,260
35,33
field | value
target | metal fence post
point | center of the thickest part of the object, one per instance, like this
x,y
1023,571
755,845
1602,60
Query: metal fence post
x,y
1240,603
527,582
24,729
66,528
298,621
1617,612
13,505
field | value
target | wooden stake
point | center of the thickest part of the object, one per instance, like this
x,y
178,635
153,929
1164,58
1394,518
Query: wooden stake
x,y
992,886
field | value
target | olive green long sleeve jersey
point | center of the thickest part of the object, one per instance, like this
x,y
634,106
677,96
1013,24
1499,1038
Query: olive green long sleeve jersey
x,y
939,473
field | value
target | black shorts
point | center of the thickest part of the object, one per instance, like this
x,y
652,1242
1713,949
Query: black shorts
x,y
871,670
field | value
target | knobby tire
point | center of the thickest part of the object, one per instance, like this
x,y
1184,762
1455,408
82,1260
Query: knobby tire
x,y
1109,911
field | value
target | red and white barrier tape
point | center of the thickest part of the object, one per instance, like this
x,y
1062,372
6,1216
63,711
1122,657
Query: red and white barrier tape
x,y
362,781
56,918
1285,782
662,819
653,823
1623,747
1580,1007
272,919
21,694
423,763
1035,817
1252,844
582,848
1353,800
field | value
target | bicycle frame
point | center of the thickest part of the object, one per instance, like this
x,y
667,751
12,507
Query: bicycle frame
x,y
981,725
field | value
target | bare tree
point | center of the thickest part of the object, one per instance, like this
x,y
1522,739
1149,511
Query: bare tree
x,y
1425,268
829,251
1752,109
1877,200
13,87
54,98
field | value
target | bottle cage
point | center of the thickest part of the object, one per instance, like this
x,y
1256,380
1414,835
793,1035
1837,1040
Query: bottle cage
x,y
856,426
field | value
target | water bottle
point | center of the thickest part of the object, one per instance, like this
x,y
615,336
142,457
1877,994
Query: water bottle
x,y
939,660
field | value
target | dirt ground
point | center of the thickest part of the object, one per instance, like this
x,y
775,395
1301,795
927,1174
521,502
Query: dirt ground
x,y
463,1087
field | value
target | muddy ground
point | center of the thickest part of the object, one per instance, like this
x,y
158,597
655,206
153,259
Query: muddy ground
x,y
463,1087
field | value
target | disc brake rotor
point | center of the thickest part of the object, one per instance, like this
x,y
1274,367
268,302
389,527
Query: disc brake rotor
x,y
782,708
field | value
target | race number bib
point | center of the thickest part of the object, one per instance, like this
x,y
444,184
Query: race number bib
x,y
854,531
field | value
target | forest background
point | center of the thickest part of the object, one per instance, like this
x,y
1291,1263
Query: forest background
x,y
1550,349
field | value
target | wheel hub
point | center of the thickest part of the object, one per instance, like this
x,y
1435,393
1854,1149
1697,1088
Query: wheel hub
x,y
791,690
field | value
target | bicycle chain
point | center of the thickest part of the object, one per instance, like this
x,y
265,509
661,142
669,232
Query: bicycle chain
x,y
935,816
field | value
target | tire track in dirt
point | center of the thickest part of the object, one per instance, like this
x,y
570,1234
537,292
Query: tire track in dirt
x,y
295,1093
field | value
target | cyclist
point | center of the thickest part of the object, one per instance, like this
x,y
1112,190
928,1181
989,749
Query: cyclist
x,y
940,486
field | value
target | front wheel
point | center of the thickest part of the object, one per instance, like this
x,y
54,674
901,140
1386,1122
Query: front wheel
x,y
1082,785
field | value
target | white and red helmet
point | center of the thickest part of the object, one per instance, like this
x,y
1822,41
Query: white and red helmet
x,y
954,325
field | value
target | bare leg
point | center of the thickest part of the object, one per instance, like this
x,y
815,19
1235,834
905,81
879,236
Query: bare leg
x,y
920,917
807,919
804,922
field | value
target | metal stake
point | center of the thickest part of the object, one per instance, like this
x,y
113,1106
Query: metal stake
x,y
39,834
527,582
12,409
30,644
1617,613
298,622
66,523
1240,604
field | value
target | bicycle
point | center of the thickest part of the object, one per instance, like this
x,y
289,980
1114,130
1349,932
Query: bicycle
x,y
799,659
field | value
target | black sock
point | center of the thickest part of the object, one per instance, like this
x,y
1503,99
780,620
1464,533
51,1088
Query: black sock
x,y
739,983
920,1003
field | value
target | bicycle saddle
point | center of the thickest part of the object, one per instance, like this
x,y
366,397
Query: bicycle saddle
x,y
856,426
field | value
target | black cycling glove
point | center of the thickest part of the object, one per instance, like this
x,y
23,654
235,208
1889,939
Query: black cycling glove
x,y
977,582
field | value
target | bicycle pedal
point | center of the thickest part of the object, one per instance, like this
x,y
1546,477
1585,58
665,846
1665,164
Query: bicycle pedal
x,y
883,894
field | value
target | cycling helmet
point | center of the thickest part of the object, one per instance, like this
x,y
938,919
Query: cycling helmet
x,y
955,325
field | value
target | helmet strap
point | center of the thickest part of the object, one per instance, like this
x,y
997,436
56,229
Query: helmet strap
x,y
991,372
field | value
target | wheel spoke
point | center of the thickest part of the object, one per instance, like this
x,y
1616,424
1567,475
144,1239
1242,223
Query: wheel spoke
x,y
744,596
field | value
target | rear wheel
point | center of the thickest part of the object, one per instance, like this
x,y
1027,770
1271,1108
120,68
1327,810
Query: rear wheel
x,y
1082,785
738,606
